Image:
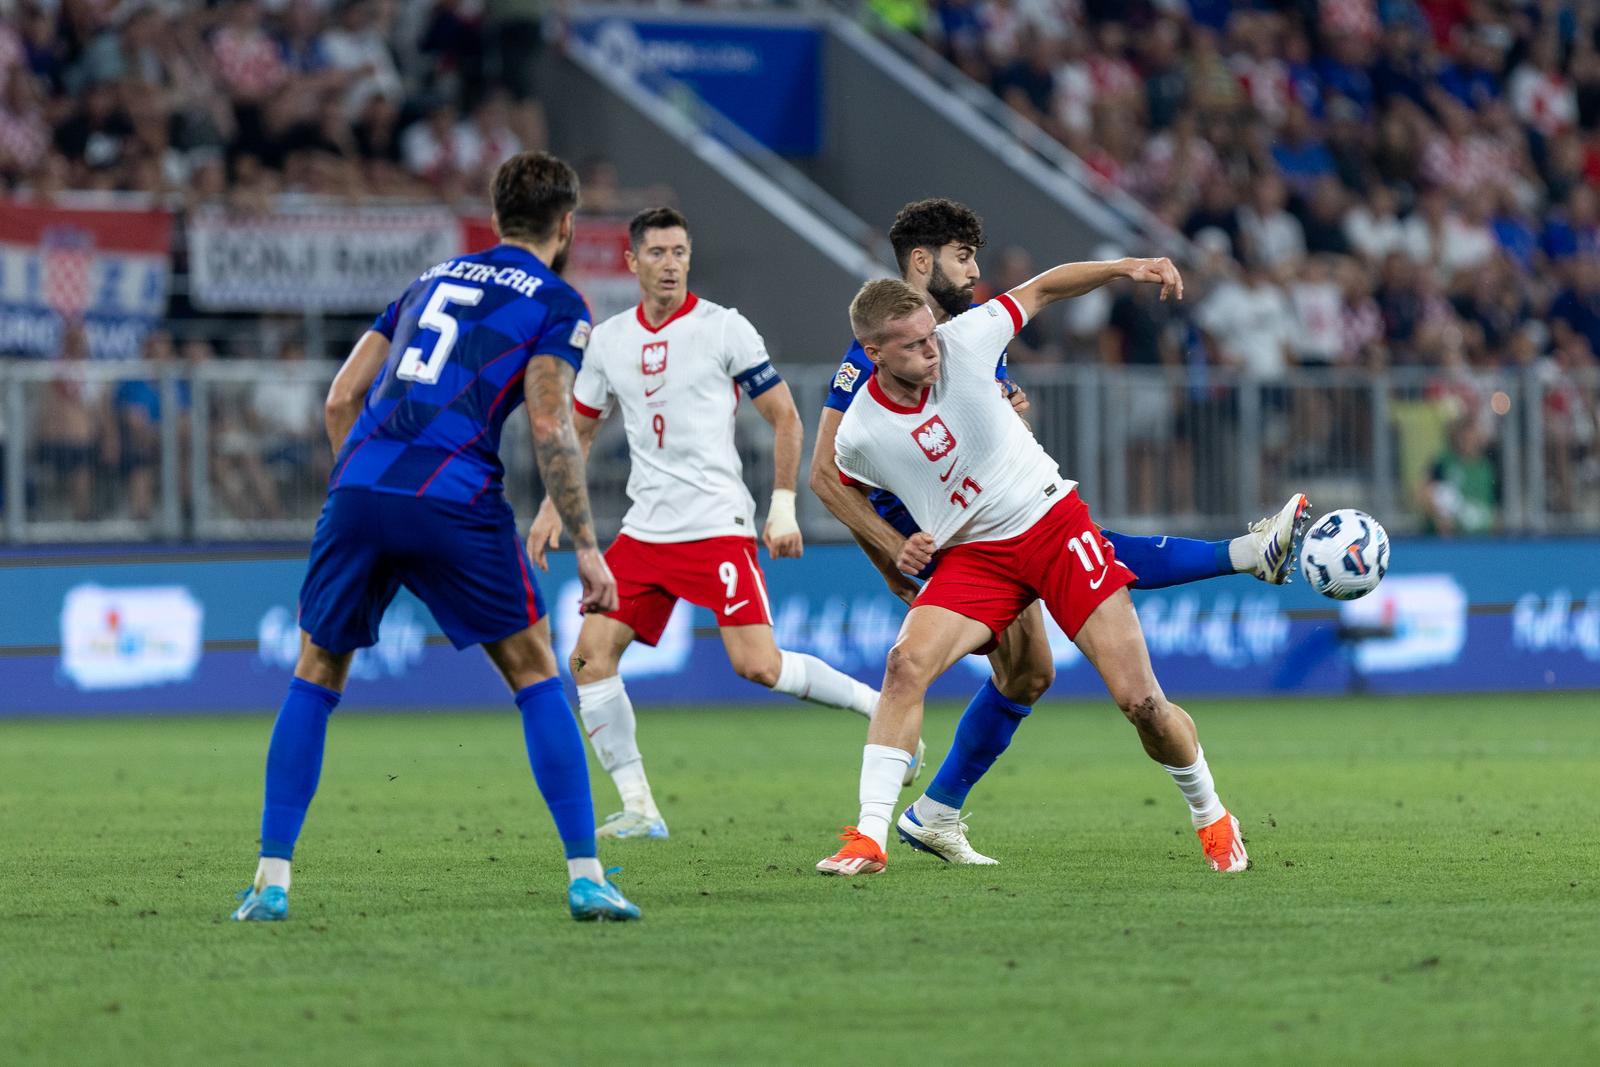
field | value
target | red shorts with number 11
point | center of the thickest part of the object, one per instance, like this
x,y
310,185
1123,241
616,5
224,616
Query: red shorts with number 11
x,y
719,573
1061,560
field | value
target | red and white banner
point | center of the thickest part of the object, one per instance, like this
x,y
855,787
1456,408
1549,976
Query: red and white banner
x,y
106,270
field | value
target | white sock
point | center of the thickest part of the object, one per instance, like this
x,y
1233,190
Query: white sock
x,y
1244,553
882,769
586,867
608,719
1194,782
808,678
931,812
272,871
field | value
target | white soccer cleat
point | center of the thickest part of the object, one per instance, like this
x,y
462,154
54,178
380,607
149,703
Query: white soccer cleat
x,y
949,843
631,824
1278,540
914,768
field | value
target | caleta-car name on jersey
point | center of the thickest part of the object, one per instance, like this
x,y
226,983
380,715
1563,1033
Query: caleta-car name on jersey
x,y
490,273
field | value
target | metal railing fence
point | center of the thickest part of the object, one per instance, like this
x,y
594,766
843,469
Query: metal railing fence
x,y
235,450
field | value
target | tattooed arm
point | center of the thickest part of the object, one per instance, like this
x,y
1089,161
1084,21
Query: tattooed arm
x,y
545,533
548,388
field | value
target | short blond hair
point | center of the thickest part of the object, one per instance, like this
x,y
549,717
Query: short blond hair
x,y
881,302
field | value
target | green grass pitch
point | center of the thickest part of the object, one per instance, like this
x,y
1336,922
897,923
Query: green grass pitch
x,y
1426,888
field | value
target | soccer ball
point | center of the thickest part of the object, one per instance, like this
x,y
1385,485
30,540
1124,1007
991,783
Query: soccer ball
x,y
1345,555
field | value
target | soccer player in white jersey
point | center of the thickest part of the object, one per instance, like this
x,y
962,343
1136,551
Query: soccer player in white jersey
x,y
936,243
1009,530
674,366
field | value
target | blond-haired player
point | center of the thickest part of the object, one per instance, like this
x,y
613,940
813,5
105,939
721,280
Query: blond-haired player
x,y
935,432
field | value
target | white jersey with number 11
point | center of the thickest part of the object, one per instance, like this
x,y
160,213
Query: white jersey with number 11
x,y
966,467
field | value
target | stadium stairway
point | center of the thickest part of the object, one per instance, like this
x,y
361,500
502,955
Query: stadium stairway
x,y
768,240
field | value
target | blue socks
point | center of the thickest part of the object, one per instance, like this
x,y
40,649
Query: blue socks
x,y
294,763
982,734
1163,561
555,749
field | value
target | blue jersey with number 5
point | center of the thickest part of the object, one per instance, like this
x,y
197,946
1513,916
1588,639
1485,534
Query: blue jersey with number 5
x,y
460,339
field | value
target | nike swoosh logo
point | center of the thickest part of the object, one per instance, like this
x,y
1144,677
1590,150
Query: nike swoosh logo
x,y
729,609
652,392
597,729
945,477
1100,580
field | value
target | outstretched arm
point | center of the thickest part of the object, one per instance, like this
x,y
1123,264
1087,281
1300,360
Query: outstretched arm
x,y
548,388
1074,279
782,532
350,385
880,541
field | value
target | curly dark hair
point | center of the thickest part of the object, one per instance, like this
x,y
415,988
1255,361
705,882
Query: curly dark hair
x,y
530,193
654,218
932,224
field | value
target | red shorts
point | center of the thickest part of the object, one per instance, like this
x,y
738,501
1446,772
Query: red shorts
x,y
719,573
1061,559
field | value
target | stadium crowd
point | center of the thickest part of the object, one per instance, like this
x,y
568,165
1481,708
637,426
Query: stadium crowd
x,y
1369,183
1365,183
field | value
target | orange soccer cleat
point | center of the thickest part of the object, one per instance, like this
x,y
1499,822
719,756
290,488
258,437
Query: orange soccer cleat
x,y
1223,845
860,855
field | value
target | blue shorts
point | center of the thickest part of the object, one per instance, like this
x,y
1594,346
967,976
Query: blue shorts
x,y
467,564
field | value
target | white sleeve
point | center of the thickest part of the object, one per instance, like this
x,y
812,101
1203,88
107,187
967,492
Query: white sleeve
x,y
852,464
591,390
975,339
742,347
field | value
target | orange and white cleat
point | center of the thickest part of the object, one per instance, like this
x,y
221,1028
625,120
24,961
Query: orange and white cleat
x,y
1224,845
860,855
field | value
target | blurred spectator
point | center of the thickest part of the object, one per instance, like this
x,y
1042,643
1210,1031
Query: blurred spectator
x,y
72,417
1272,236
1462,493
1251,323
139,413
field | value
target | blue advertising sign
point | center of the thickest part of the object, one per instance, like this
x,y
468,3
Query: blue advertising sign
x,y
765,78
177,630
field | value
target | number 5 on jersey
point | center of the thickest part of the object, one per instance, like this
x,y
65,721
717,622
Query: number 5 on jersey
x,y
413,368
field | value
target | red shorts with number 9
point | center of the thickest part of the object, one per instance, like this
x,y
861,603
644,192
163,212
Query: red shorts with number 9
x,y
719,573
1061,560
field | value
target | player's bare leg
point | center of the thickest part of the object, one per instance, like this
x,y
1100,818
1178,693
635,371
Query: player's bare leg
x,y
1112,640
1024,668
611,726
931,640
756,657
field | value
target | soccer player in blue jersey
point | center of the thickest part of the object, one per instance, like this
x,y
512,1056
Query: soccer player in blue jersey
x,y
936,243
415,499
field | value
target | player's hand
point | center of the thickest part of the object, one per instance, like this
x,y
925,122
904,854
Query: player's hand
x,y
545,534
599,586
782,532
915,554
1014,393
1159,271
783,545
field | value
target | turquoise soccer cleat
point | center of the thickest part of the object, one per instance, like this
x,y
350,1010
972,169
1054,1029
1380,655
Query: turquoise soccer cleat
x,y
591,901
267,905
